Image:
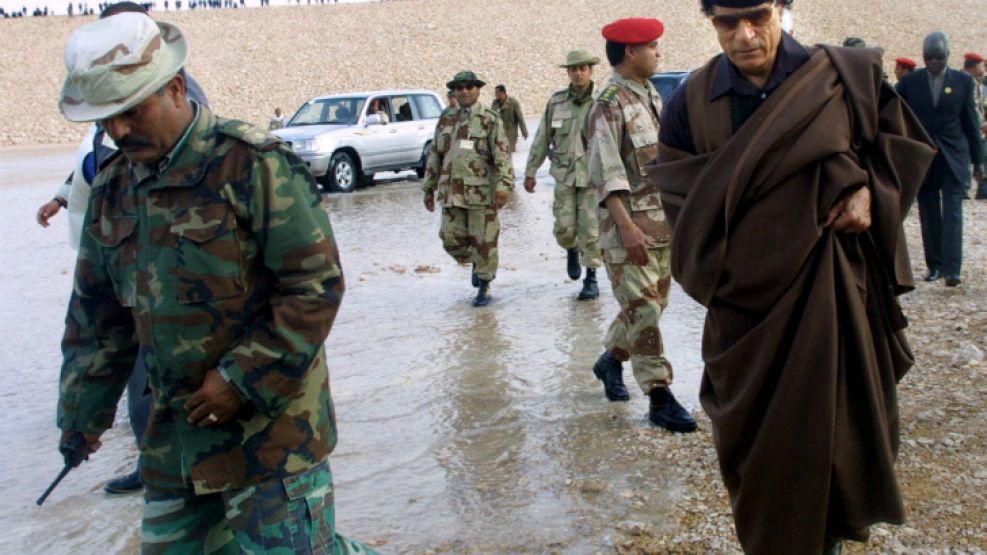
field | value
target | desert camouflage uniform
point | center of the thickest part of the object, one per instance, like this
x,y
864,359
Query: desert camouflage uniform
x,y
469,161
561,137
623,137
219,256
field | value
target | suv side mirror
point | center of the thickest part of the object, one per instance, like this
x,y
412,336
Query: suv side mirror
x,y
375,119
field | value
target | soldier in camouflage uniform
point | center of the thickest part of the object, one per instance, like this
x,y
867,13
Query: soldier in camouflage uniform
x,y
469,166
562,135
207,254
634,235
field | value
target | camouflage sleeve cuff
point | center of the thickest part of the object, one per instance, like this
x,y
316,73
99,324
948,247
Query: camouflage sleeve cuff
x,y
239,391
613,185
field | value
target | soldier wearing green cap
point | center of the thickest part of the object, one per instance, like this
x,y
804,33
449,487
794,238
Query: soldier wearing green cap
x,y
561,136
207,254
469,169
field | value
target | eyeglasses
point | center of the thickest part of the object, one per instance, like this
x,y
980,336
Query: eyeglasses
x,y
730,22
464,86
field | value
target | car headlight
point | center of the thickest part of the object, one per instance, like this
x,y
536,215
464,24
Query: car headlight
x,y
303,145
312,146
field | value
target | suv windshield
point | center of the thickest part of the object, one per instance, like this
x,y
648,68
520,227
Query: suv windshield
x,y
332,111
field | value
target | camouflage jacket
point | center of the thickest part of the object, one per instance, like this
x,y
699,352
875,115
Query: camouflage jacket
x,y
623,137
562,137
470,158
219,257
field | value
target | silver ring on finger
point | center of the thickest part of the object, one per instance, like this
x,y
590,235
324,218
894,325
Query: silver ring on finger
x,y
212,417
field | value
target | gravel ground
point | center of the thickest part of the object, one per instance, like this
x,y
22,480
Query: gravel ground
x,y
250,61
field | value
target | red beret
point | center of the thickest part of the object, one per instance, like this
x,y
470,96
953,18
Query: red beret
x,y
973,57
906,62
633,30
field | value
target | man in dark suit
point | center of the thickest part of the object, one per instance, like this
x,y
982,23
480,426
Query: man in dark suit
x,y
943,100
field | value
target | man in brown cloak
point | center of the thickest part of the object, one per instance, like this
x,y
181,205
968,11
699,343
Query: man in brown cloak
x,y
786,172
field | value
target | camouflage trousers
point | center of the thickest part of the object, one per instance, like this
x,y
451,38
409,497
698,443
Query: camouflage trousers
x,y
280,517
642,292
470,235
575,222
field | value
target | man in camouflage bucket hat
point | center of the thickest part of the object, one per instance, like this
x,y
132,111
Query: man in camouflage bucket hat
x,y
206,253
469,164
561,136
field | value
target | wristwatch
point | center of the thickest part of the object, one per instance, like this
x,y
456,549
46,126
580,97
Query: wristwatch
x,y
61,202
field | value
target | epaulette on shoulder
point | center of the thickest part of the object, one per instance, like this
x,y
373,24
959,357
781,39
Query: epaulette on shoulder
x,y
609,94
248,133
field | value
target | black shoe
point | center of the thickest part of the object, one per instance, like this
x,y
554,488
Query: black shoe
x,y
473,278
610,371
128,483
668,413
934,275
590,289
952,281
483,297
572,264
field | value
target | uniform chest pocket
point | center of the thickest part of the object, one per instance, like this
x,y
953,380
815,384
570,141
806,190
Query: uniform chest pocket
x,y
479,138
209,256
645,147
443,140
561,131
118,247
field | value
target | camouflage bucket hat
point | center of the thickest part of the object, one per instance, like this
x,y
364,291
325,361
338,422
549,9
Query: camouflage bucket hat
x,y
115,63
465,77
580,57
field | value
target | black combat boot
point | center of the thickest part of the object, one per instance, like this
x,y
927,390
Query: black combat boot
x,y
572,264
473,279
483,297
128,483
590,289
610,371
668,413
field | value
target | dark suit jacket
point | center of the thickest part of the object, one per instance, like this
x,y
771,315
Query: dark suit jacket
x,y
953,124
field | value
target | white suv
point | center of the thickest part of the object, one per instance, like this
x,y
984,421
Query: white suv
x,y
346,138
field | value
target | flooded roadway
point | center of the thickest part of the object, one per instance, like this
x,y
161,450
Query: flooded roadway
x,y
461,429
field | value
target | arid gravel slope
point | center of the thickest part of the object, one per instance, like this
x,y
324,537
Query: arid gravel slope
x,y
250,61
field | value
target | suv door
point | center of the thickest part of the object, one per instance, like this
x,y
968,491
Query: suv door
x,y
381,143
408,130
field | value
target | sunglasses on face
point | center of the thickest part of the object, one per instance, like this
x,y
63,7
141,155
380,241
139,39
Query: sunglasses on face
x,y
464,87
730,22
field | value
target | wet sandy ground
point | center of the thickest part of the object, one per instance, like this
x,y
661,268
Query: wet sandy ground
x,y
462,430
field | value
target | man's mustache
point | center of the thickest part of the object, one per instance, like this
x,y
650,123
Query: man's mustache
x,y
132,141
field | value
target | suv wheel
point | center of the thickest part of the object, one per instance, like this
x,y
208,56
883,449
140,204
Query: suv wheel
x,y
420,168
343,175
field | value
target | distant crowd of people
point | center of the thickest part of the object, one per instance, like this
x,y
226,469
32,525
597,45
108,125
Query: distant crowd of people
x,y
84,9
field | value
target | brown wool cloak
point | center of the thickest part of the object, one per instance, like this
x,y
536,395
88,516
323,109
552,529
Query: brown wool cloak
x,y
803,342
